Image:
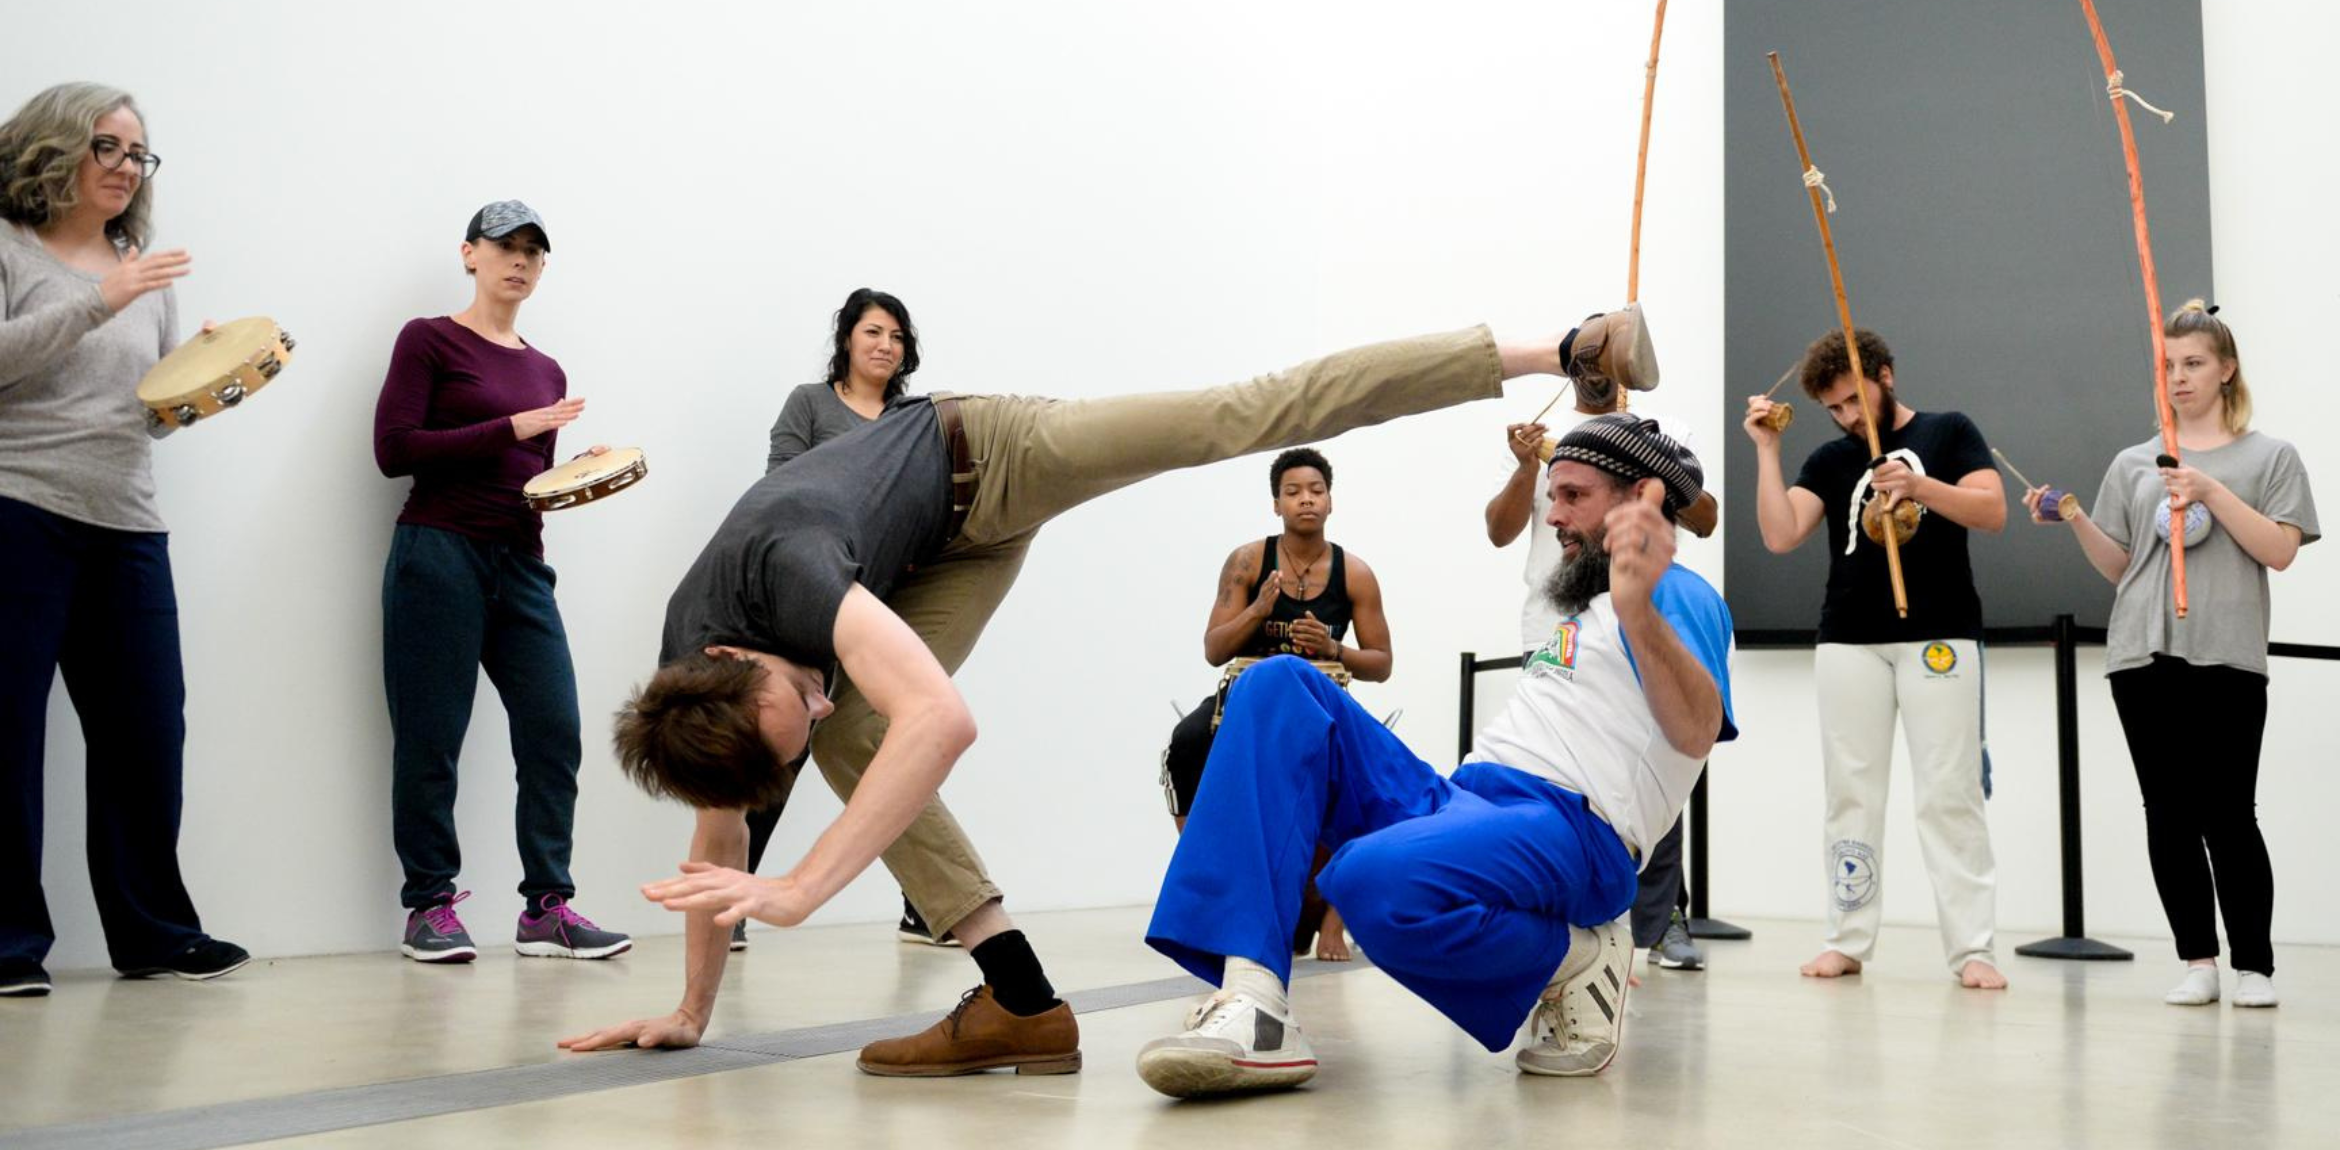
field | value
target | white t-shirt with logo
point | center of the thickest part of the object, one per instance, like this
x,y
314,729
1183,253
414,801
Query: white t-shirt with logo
x,y
1579,717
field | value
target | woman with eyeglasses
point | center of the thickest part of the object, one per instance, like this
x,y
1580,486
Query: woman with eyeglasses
x,y
86,584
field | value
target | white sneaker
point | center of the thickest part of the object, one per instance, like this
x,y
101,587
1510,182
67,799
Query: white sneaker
x,y
1580,1024
2198,988
2254,989
1231,1043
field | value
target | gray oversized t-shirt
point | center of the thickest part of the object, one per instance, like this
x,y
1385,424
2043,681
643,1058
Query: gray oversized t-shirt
x,y
2227,607
861,508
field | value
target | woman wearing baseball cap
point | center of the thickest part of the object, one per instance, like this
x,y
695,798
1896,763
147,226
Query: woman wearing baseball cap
x,y
471,411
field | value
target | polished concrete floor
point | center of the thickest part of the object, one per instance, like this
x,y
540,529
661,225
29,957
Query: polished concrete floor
x,y
1744,1054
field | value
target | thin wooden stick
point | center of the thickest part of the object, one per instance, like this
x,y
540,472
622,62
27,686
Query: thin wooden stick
x,y
1784,376
1852,345
2001,456
2169,443
1641,161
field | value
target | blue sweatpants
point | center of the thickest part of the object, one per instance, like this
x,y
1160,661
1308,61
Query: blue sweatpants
x,y
1462,889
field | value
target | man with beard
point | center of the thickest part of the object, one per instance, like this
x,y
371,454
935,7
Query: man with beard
x,y
1496,893
1869,663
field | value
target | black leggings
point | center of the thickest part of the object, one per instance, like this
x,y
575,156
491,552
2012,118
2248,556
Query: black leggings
x,y
2194,735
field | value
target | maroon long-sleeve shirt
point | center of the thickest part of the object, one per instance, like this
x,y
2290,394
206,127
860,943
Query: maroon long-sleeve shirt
x,y
445,418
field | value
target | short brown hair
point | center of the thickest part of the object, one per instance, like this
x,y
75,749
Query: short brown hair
x,y
1826,360
691,734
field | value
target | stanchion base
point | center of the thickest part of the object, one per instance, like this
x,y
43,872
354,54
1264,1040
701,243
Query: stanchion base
x,y
1717,928
2078,949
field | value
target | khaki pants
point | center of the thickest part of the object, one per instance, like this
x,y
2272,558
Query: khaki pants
x,y
1037,458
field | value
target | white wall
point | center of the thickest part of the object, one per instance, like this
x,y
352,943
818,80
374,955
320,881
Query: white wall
x,y
1075,200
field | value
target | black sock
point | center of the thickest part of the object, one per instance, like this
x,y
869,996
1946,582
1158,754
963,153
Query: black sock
x,y
1014,973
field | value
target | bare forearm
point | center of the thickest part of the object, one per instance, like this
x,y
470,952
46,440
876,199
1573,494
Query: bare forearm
x,y
1508,512
1681,694
1221,642
1974,508
1370,665
723,841
1774,514
2109,558
916,755
2273,544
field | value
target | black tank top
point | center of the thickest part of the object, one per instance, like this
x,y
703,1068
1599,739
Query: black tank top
x,y
1331,605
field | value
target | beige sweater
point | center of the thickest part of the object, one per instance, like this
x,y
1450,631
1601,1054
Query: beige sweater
x,y
74,440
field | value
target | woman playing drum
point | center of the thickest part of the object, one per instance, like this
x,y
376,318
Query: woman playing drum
x,y
86,586
470,410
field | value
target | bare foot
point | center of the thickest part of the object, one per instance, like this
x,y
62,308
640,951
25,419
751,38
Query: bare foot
x,y
1832,964
1332,942
1980,975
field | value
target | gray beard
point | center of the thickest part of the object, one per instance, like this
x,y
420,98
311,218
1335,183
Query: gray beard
x,y
1575,583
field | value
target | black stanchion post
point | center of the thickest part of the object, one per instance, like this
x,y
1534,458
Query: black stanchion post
x,y
1702,926
2074,943
1470,675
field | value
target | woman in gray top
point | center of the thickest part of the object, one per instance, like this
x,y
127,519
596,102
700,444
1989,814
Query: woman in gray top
x,y
86,586
2192,692
874,348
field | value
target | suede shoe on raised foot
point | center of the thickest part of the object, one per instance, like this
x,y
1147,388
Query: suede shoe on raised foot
x,y
739,936
913,928
1607,351
201,961
434,934
556,930
1231,1045
1675,951
23,978
980,1034
1580,1024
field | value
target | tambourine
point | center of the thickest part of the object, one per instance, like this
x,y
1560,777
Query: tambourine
x,y
215,371
1905,514
1235,668
585,479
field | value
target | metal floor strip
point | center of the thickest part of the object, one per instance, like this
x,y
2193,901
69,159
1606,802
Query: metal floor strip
x,y
318,1112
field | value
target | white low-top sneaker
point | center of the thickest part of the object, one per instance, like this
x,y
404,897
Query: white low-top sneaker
x,y
2253,989
1580,1024
2198,988
1232,1043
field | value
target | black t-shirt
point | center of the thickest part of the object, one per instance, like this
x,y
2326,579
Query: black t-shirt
x,y
1934,566
860,508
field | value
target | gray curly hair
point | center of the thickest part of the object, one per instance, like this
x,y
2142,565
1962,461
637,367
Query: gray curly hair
x,y
41,147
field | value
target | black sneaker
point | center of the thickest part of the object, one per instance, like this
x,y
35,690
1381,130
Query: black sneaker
x,y
207,959
913,928
22,978
739,936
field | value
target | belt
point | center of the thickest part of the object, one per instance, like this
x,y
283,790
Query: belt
x,y
954,433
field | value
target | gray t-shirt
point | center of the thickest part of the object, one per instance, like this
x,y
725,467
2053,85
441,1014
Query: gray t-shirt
x,y
74,440
862,508
2227,608
813,415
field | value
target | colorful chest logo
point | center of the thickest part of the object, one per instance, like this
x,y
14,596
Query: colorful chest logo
x,y
1941,658
1558,654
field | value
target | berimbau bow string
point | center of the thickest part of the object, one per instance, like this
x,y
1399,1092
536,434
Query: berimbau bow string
x,y
1814,184
2169,444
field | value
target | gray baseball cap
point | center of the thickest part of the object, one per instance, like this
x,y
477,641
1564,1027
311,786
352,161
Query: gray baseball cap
x,y
501,219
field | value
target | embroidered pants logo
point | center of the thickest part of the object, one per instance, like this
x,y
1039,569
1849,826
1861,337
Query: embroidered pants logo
x,y
1558,654
1941,658
1852,874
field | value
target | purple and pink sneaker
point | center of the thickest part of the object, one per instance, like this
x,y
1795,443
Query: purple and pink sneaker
x,y
556,930
434,934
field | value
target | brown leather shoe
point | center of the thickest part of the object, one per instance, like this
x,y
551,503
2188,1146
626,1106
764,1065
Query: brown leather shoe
x,y
1608,350
979,1034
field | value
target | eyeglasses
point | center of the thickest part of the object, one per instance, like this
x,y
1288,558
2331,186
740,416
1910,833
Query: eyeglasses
x,y
111,155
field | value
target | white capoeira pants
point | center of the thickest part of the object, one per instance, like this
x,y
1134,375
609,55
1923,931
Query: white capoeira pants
x,y
1936,689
